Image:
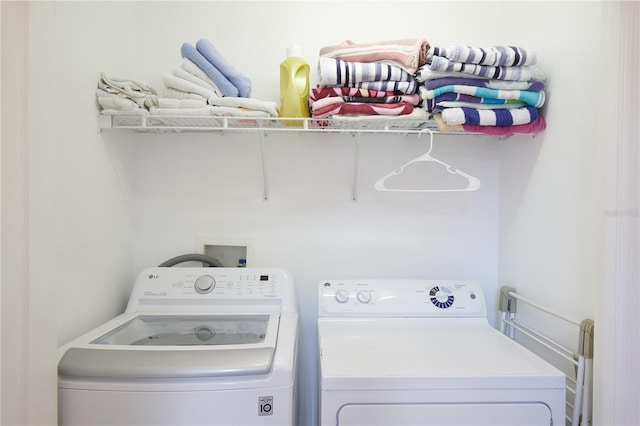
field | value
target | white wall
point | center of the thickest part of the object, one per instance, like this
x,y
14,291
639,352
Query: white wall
x,y
127,201
96,249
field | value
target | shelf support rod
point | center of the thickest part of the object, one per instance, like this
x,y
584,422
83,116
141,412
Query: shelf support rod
x,y
265,190
354,183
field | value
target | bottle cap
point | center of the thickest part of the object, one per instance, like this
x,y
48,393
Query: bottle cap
x,y
294,50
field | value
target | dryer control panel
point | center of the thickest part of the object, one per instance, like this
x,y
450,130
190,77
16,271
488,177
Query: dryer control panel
x,y
401,298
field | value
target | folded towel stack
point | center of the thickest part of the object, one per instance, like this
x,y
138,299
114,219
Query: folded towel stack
x,y
496,90
365,79
206,84
124,96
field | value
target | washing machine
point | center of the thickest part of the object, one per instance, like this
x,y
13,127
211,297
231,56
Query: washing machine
x,y
195,346
422,353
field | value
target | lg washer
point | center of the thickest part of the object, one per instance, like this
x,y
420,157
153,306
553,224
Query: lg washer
x,y
195,346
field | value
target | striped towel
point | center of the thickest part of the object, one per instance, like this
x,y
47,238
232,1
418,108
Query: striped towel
x,y
335,72
489,117
505,56
407,53
481,82
439,63
448,100
532,98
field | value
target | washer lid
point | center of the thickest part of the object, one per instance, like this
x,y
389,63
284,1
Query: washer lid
x,y
188,330
176,346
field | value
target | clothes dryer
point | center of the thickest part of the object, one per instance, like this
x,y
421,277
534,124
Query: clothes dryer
x,y
422,353
195,346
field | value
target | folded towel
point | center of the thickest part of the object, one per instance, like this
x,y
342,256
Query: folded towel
x,y
439,63
241,82
181,103
169,92
406,53
449,100
320,92
335,72
177,83
138,111
536,126
482,82
247,103
224,111
417,114
189,66
119,103
185,75
506,56
535,99
177,112
444,127
363,109
140,92
491,117
226,87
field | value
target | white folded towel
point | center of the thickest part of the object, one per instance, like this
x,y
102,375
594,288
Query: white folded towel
x,y
181,103
180,73
117,102
269,107
177,112
138,91
177,83
138,111
168,92
189,66
223,111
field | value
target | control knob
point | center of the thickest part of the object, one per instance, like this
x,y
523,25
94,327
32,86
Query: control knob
x,y
204,284
342,296
364,296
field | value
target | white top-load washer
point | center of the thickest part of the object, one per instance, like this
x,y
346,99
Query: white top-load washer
x,y
195,346
422,352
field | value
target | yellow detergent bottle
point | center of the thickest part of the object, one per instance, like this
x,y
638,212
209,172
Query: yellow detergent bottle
x,y
294,87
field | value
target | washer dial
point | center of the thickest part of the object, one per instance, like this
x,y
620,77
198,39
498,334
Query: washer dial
x,y
441,297
204,284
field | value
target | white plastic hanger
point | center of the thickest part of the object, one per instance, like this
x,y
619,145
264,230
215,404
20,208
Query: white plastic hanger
x,y
473,183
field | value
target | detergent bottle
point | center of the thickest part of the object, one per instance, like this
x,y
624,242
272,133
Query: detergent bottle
x,y
294,87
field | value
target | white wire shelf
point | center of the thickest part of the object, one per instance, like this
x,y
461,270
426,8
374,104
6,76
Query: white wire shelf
x,y
154,123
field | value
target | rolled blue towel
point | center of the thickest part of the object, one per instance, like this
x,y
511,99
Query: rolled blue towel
x,y
226,87
242,83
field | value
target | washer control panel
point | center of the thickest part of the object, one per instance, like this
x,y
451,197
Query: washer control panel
x,y
407,297
166,285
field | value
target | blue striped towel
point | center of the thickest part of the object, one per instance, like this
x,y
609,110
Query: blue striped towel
x,y
489,117
532,98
